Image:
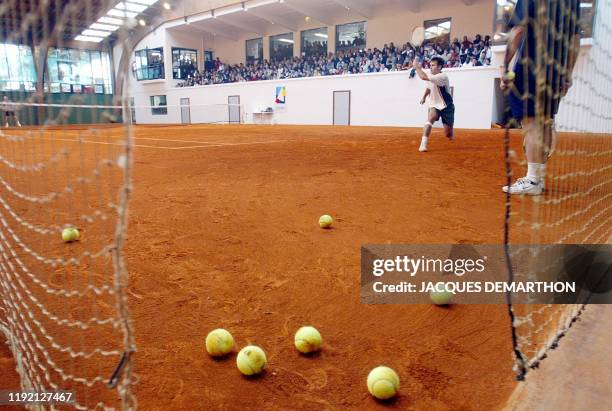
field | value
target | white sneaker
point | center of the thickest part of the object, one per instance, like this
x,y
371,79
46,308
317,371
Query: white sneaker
x,y
18,124
423,147
524,186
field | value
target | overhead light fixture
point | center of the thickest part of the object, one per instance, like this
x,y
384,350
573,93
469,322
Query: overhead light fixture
x,y
166,5
88,39
100,26
126,5
147,2
121,13
322,35
286,41
95,33
110,20
142,22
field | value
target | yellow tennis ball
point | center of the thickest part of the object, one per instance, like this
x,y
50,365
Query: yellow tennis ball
x,y
219,342
440,297
325,221
251,360
510,76
308,339
383,382
70,234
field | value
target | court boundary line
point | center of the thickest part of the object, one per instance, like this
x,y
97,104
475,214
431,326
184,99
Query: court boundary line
x,y
203,144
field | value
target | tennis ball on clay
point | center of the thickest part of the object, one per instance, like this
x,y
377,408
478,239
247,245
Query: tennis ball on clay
x,y
440,297
251,360
219,342
308,339
325,221
70,234
383,382
510,76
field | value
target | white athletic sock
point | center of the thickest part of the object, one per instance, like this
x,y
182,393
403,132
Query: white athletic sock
x,y
533,172
542,173
424,140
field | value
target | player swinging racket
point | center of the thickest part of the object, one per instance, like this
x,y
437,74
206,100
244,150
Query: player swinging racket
x,y
440,99
558,51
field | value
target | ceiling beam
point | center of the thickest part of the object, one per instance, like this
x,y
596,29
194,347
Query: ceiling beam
x,y
361,9
247,27
308,11
270,19
214,31
413,5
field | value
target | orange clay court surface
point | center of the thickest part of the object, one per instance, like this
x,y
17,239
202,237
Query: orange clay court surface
x,y
223,233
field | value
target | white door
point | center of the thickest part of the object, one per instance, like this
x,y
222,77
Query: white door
x,y
185,111
342,108
234,109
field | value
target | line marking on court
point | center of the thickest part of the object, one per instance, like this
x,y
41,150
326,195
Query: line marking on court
x,y
169,148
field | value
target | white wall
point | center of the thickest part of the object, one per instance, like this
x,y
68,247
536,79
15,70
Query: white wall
x,y
377,99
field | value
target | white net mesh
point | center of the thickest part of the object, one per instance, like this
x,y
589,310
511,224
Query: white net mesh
x,y
575,207
64,164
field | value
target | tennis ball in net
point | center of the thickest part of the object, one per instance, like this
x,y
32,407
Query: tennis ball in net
x,y
219,342
325,221
308,339
70,234
251,360
383,383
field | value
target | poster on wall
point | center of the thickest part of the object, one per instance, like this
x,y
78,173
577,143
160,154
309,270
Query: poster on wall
x,y
281,98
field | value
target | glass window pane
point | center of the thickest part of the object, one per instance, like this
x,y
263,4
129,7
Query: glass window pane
x,y
281,47
149,64
184,63
437,31
314,42
16,67
351,36
96,68
254,51
505,9
158,104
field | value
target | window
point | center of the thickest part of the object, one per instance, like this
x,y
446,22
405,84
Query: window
x,y
505,8
17,71
184,63
149,64
437,31
281,47
587,17
254,51
351,36
78,71
314,42
159,106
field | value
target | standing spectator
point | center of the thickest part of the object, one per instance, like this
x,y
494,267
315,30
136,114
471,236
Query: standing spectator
x,y
8,109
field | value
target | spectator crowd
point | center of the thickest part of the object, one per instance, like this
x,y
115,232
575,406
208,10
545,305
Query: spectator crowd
x,y
457,53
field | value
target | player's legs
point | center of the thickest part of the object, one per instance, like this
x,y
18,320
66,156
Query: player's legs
x,y
539,139
432,117
16,119
448,120
6,119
